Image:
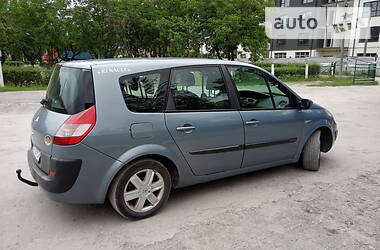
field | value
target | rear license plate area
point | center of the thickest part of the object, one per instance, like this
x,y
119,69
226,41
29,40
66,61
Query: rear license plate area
x,y
41,159
36,153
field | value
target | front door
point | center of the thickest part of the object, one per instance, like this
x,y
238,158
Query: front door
x,y
272,122
209,133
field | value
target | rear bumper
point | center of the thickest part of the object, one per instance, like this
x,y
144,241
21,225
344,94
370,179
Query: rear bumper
x,y
83,181
62,173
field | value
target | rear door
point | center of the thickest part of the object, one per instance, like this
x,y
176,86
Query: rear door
x,y
272,122
202,121
70,91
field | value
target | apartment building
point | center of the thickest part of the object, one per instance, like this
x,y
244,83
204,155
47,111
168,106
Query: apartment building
x,y
331,45
295,48
367,47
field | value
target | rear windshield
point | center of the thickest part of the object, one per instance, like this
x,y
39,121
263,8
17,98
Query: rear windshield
x,y
70,90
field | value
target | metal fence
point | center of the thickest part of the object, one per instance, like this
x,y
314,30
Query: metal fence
x,y
360,68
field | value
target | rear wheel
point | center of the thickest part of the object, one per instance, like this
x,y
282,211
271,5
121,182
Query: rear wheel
x,y
141,189
311,155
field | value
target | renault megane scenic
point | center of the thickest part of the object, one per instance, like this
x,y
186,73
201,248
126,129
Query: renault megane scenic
x,y
131,130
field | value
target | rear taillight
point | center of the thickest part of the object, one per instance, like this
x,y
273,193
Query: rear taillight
x,y
76,127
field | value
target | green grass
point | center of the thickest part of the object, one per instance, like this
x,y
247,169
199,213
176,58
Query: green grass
x,y
327,81
302,79
22,88
344,81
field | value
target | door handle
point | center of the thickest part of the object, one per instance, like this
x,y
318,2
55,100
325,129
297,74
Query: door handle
x,y
252,122
186,128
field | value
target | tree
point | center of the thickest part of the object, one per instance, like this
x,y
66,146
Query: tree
x,y
228,23
132,28
28,21
3,30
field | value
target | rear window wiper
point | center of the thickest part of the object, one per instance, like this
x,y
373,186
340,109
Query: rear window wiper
x,y
44,102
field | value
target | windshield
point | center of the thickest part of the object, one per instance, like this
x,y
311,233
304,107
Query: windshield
x,y
70,90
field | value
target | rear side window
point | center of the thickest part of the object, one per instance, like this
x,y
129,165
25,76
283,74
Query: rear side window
x,y
70,90
145,92
199,88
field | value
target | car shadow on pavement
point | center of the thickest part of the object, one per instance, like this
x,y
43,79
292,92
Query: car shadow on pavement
x,y
103,213
237,181
185,199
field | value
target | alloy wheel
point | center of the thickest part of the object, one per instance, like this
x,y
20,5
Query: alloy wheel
x,y
144,190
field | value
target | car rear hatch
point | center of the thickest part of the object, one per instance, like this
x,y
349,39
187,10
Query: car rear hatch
x,y
70,92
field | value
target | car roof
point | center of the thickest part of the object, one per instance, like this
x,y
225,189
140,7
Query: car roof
x,y
146,62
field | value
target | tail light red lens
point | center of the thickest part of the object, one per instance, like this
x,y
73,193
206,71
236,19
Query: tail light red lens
x,y
76,127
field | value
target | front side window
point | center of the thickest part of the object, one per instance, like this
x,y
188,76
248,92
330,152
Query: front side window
x,y
257,90
281,99
145,92
199,88
252,88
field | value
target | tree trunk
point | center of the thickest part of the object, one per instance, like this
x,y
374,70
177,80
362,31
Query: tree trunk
x,y
3,57
218,54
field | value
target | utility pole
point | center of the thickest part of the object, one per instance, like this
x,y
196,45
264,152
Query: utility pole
x,y
342,46
1,73
366,39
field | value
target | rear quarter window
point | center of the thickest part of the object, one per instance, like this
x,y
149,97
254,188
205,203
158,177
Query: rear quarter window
x,y
145,92
70,90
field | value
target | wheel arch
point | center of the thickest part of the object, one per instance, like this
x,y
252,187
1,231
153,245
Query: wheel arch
x,y
173,161
166,161
327,139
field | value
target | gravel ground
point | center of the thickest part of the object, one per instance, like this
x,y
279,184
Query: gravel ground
x,y
280,208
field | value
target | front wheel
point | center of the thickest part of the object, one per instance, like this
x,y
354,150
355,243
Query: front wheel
x,y
311,155
140,189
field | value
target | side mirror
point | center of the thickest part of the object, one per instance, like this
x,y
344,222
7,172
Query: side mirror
x,y
305,103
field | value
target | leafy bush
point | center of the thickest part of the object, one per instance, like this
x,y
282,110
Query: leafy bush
x,y
290,69
14,63
25,76
46,73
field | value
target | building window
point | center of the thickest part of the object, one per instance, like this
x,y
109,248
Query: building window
x,y
307,1
280,42
279,55
303,42
302,54
374,35
375,7
284,3
328,43
303,39
367,55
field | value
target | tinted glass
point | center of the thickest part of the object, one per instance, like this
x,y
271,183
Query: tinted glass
x,y
145,92
252,88
70,90
199,88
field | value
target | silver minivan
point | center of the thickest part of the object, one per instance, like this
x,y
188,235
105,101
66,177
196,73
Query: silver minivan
x,y
133,129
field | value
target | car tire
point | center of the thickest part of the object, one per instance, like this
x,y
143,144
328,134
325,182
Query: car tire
x,y
311,155
136,193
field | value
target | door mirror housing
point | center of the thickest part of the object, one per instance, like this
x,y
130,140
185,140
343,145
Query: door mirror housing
x,y
305,103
